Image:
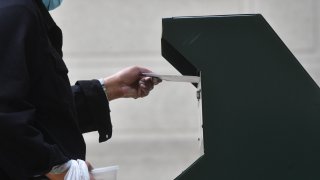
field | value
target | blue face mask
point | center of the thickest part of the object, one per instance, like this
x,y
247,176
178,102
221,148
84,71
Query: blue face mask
x,y
51,4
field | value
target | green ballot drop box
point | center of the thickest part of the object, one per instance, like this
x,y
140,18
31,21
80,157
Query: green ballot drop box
x,y
260,108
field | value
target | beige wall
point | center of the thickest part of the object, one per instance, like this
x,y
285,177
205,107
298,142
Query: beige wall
x,y
156,137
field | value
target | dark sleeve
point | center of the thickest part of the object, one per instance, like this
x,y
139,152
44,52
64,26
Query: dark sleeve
x,y
23,150
92,108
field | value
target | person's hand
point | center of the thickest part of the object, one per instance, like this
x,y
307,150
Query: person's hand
x,y
129,83
52,176
60,176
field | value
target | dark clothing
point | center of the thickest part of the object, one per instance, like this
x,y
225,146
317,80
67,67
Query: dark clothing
x,y
41,117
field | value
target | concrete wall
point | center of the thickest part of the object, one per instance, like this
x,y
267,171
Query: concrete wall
x,y
156,137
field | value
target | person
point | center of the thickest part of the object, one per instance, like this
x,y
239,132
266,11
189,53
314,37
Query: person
x,y
42,117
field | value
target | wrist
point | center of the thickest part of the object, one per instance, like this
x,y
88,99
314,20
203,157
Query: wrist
x,y
112,88
59,169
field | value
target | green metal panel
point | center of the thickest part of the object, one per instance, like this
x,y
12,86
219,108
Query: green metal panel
x,y
261,109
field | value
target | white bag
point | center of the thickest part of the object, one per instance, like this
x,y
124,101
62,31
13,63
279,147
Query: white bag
x,y
78,171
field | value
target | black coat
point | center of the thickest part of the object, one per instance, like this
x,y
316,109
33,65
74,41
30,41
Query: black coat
x,y
42,117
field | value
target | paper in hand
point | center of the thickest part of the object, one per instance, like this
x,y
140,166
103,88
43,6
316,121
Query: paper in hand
x,y
174,78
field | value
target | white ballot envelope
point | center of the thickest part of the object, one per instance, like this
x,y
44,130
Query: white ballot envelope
x,y
174,78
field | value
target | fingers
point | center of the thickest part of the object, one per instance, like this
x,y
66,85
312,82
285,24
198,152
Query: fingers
x,y
145,86
156,81
89,166
129,83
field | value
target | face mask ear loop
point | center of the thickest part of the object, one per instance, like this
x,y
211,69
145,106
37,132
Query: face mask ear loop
x,y
49,4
